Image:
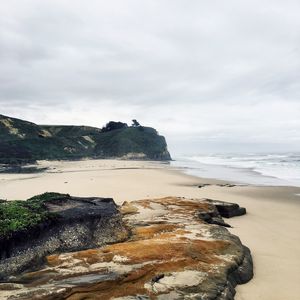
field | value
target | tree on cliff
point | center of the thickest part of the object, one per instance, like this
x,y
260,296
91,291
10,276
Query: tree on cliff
x,y
112,125
135,123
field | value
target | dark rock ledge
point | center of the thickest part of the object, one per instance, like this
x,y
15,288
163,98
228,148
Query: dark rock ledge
x,y
227,209
73,224
225,185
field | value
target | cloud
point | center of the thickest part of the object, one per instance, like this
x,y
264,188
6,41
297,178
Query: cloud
x,y
197,70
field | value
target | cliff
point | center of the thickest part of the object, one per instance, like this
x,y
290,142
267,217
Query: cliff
x,y
23,142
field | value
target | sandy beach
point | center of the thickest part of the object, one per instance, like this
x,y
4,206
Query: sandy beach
x,y
270,228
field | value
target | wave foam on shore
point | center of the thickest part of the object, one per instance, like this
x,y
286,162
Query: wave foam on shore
x,y
259,169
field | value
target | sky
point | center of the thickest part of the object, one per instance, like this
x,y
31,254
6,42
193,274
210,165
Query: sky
x,y
211,76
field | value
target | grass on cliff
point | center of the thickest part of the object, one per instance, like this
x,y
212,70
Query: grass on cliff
x,y
24,142
20,215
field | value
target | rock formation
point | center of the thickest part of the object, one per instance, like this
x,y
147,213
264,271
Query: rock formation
x,y
63,223
171,253
227,209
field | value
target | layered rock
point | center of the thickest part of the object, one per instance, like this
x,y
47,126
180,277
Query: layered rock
x,y
171,254
75,224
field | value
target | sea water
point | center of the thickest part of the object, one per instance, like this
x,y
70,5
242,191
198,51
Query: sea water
x,y
250,168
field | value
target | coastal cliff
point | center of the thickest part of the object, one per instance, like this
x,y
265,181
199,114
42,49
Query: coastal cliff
x,y
23,142
158,249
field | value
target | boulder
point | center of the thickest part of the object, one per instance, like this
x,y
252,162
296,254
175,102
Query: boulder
x,y
76,223
227,209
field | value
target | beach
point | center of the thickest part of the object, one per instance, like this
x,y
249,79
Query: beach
x,y
270,228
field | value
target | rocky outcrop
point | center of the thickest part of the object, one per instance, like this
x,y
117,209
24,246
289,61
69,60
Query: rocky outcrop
x,y
76,224
227,209
226,185
171,254
21,169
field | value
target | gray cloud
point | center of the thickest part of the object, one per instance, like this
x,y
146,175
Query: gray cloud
x,y
205,73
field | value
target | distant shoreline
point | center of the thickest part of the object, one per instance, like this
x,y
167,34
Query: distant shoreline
x,y
247,170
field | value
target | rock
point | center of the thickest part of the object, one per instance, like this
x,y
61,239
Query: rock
x,y
10,286
79,223
227,209
203,185
226,185
171,254
212,216
219,184
244,273
21,169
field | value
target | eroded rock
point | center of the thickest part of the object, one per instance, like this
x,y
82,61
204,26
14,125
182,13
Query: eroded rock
x,y
79,223
171,254
227,209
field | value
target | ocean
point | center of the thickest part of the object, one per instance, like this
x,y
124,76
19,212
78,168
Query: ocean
x,y
259,169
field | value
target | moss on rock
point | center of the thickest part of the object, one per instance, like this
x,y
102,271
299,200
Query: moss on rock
x,y
20,215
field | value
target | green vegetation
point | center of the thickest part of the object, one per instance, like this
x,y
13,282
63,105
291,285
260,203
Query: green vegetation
x,y
135,123
23,142
20,215
46,197
113,126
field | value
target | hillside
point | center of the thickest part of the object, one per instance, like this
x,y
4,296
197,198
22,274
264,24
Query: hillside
x,y
23,142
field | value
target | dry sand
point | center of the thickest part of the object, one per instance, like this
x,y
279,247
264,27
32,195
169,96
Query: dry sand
x,y
270,228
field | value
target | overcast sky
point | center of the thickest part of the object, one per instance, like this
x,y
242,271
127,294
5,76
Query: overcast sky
x,y
213,76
